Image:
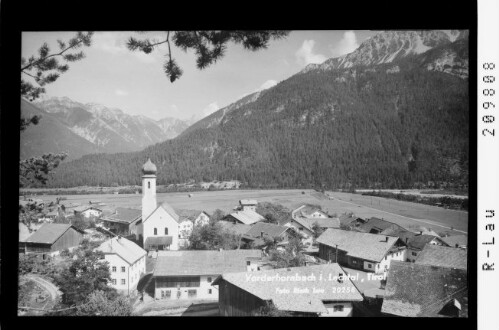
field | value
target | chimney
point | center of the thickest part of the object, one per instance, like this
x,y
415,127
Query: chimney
x,y
406,240
261,234
420,232
386,239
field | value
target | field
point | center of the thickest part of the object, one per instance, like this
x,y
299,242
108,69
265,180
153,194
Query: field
x,y
407,214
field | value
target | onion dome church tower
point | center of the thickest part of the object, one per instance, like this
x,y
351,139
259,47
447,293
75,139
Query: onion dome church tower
x,y
148,189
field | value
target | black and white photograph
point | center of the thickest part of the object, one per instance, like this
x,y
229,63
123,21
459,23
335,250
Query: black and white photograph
x,y
225,173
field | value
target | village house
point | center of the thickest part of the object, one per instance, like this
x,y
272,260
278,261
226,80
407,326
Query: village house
x,y
123,221
88,211
349,219
443,256
248,204
261,231
458,241
51,238
364,251
416,290
246,217
326,291
310,212
190,274
377,226
127,263
416,243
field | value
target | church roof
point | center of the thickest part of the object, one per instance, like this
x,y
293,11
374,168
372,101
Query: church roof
x,y
149,167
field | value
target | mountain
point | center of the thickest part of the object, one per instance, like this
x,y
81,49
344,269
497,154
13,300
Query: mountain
x,y
388,47
393,121
50,135
106,129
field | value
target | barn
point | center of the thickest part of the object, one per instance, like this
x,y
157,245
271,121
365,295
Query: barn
x,y
52,238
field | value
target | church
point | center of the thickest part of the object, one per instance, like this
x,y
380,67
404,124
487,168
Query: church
x,y
158,228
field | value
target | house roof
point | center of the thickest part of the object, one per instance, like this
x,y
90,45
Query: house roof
x,y
248,202
380,225
366,246
48,233
420,241
460,240
189,214
86,207
443,256
346,219
263,284
307,210
247,217
417,290
236,228
122,214
322,222
178,263
158,240
268,229
124,248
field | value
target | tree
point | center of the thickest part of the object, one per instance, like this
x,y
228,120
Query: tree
x,y
292,256
45,67
317,229
100,303
209,46
273,212
86,274
269,310
36,170
212,237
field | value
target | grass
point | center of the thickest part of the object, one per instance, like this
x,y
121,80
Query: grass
x,y
293,198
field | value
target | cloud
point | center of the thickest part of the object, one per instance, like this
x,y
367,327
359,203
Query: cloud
x,y
120,92
210,108
305,55
346,45
115,43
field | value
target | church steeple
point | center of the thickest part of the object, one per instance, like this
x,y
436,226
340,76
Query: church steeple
x,y
148,189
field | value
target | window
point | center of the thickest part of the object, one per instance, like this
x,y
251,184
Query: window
x,y
155,231
114,268
338,308
209,291
248,263
191,293
354,261
166,231
123,281
369,266
414,254
149,185
114,281
168,294
209,279
123,269
385,257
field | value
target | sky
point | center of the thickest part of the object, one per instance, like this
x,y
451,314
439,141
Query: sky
x,y
134,82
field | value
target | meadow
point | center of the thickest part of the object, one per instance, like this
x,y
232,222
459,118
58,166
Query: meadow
x,y
409,215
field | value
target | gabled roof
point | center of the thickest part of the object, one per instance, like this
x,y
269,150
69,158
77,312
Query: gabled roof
x,y
165,206
420,241
124,248
236,228
443,256
248,202
195,263
86,207
365,246
268,229
459,240
322,222
346,219
380,225
189,214
122,214
263,284
416,290
307,210
48,233
247,217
